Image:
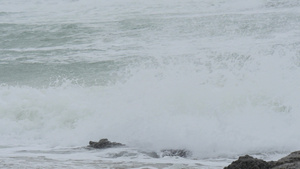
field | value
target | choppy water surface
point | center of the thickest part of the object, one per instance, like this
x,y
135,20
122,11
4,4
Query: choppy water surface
x,y
219,78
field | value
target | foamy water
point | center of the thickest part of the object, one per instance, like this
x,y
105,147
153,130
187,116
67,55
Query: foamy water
x,y
219,78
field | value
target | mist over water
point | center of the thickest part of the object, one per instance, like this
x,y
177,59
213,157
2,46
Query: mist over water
x,y
216,77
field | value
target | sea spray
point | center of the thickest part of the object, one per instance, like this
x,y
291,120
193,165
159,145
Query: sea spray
x,y
217,78
186,105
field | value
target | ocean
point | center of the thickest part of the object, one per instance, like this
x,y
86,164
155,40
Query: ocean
x,y
216,77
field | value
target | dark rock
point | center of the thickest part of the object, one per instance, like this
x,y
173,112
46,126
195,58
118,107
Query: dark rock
x,y
104,143
176,152
248,162
292,161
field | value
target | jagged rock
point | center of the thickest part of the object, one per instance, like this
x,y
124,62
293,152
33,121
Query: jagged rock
x,y
176,152
292,161
248,162
104,143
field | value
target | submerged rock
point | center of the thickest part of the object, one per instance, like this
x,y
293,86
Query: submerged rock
x,y
151,154
176,152
104,143
292,161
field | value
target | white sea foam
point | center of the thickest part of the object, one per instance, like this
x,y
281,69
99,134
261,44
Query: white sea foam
x,y
179,107
219,78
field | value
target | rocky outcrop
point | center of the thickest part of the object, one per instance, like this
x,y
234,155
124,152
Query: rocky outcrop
x,y
104,143
248,162
176,152
291,161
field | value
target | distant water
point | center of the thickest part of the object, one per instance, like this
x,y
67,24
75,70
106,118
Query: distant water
x,y
220,78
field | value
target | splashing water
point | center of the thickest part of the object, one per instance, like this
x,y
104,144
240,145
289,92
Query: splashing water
x,y
218,78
